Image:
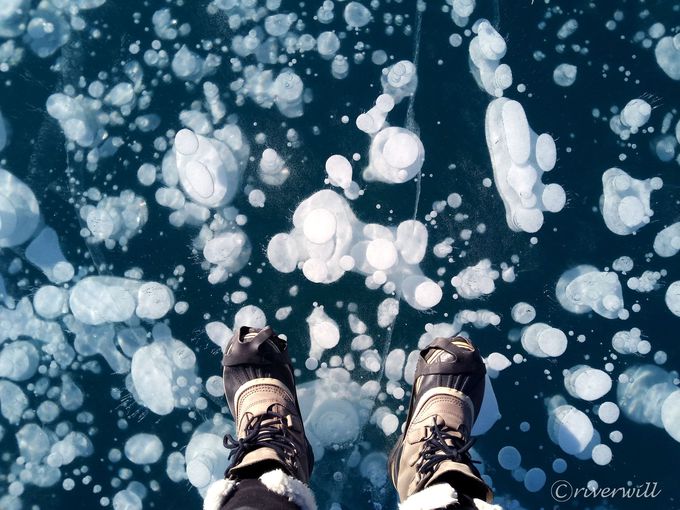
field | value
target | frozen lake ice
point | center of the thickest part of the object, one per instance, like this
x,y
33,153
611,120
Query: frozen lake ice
x,y
363,176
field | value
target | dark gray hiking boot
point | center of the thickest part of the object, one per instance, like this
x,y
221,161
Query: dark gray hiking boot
x,y
445,402
260,390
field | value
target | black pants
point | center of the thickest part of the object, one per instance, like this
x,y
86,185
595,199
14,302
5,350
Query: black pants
x,y
251,494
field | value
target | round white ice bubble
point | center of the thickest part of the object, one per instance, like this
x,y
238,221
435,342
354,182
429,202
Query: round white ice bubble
x,y
528,220
381,254
356,15
587,383
50,301
335,421
18,361
401,150
554,197
154,301
601,455
631,211
509,458
608,412
144,448
428,294
670,415
319,226
282,252
339,171
534,479
673,298
126,500
389,424
574,429
326,334
523,313
552,342
186,142
546,152
315,270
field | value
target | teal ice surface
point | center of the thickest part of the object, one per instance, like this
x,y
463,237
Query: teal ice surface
x,y
130,248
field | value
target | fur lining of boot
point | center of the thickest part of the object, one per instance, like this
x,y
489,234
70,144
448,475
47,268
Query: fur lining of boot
x,y
435,496
439,496
216,493
293,489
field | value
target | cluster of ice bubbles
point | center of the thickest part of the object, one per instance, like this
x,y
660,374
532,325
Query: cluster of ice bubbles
x,y
519,158
113,219
572,430
584,288
328,240
44,29
630,342
634,115
649,394
543,341
625,201
487,48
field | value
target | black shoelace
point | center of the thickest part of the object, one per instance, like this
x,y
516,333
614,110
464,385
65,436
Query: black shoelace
x,y
437,449
268,429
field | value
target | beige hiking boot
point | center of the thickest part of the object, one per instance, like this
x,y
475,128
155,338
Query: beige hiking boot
x,y
260,390
434,448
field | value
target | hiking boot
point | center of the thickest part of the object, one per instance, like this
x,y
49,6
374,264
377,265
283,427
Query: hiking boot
x,y
260,390
445,402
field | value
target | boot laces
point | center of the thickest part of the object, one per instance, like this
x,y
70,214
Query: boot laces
x,y
443,445
269,429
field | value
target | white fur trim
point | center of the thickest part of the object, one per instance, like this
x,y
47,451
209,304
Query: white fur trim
x,y
216,494
434,497
483,505
297,492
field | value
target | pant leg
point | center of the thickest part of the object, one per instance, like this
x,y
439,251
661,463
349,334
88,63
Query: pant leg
x,y
252,494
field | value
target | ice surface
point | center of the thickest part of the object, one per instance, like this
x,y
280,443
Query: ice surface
x,y
3,132
156,189
519,158
625,202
